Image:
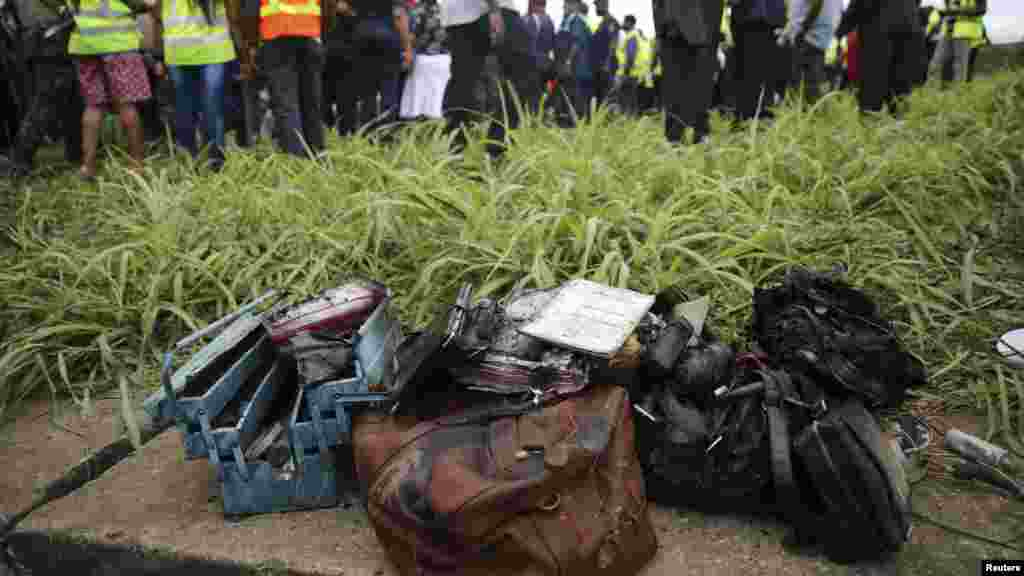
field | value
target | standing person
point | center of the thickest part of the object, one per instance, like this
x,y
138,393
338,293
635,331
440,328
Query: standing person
x,y
891,46
475,29
605,30
645,88
423,96
688,36
976,47
384,45
197,49
576,64
626,80
111,73
340,99
758,65
810,26
962,27
292,55
542,46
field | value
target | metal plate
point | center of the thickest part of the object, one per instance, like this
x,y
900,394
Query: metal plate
x,y
161,408
376,343
590,317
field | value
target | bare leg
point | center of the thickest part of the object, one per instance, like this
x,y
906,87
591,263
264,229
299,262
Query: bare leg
x,y
129,115
91,120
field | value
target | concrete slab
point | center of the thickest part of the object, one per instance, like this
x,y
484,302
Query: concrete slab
x,y
156,502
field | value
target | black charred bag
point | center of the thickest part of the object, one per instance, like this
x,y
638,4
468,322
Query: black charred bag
x,y
717,457
819,326
853,474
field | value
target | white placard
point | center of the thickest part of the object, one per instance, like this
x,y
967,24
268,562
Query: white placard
x,y
590,317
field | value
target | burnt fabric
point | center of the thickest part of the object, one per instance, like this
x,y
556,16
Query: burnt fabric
x,y
556,489
817,325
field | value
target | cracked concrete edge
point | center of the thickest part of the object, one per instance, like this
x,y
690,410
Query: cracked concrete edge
x,y
74,552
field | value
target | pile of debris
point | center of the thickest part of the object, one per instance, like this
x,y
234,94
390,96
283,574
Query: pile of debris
x,y
537,426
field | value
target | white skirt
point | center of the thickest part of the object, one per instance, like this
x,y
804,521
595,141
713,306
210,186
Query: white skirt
x,y
424,88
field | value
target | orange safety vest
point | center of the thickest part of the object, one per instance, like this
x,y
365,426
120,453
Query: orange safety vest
x,y
289,18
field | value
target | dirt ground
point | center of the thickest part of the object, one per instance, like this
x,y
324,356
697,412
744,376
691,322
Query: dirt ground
x,y
157,500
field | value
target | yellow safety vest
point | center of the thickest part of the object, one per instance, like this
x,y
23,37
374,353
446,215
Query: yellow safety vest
x,y
642,69
289,18
620,51
966,27
104,27
594,22
832,54
189,40
933,22
726,28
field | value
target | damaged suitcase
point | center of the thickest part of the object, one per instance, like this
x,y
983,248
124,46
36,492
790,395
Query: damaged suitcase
x,y
509,488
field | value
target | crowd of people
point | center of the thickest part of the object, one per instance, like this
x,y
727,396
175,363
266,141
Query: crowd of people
x,y
358,64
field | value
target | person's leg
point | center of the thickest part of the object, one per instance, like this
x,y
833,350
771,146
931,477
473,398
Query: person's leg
x,y
279,58
942,53
347,97
468,45
813,72
961,58
311,74
186,98
96,99
72,109
905,57
876,62
971,62
129,84
213,78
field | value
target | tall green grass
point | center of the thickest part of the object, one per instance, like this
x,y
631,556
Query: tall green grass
x,y
925,211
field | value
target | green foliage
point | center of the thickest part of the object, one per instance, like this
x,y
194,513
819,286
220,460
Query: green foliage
x,y
926,211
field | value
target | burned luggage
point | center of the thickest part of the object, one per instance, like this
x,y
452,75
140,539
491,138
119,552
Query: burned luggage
x,y
504,488
816,324
856,483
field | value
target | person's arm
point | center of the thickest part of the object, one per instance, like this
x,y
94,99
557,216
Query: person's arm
x,y
402,26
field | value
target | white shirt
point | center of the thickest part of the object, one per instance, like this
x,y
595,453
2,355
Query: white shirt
x,y
456,12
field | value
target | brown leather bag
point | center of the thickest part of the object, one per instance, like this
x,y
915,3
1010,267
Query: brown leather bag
x,y
556,489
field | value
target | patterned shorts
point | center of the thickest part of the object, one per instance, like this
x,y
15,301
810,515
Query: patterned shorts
x,y
118,77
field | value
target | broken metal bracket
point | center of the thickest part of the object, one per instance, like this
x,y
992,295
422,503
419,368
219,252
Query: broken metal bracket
x,y
211,444
243,468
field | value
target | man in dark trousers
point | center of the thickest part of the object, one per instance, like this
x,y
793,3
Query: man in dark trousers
x,y
475,29
602,51
688,35
761,68
892,46
542,45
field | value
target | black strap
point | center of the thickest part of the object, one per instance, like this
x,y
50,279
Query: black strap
x,y
777,388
